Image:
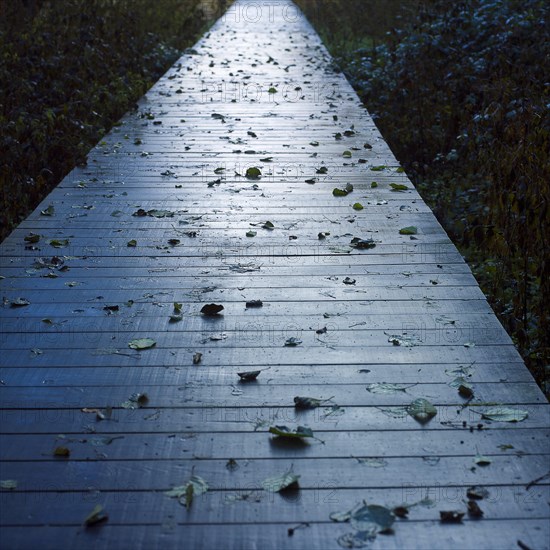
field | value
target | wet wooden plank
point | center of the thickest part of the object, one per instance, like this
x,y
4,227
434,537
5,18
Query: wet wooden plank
x,y
320,473
274,536
288,374
262,445
237,416
251,357
246,502
265,395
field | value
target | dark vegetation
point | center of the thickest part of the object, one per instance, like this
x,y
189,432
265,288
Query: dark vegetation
x,y
69,70
460,90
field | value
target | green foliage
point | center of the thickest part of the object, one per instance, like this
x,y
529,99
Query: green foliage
x,y
69,70
461,93
348,24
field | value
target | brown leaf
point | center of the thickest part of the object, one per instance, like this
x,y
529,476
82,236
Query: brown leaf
x,y
451,516
474,510
211,310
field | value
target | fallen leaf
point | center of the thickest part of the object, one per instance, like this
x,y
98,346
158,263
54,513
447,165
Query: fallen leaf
x,y
97,515
50,211
232,465
358,539
388,389
451,516
254,303
196,486
373,462
268,225
132,243
357,206
401,512
481,460
142,343
275,484
459,381
135,401
19,302
32,238
197,357
62,451
291,530
372,518
398,187
154,213
477,493
309,402
253,173
410,230
249,376
465,390
212,310
100,414
59,243
474,510
421,410
504,414
340,517
300,432
251,233
8,484
402,340
292,342
362,244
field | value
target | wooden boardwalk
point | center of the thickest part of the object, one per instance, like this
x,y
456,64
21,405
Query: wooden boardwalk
x,y
163,213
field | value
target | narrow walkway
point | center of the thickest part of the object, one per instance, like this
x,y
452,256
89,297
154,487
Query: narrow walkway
x,y
164,213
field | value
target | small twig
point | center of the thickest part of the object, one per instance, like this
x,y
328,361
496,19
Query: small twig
x,y
535,481
523,546
291,530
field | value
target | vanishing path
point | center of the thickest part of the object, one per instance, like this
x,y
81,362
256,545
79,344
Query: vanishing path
x,y
379,327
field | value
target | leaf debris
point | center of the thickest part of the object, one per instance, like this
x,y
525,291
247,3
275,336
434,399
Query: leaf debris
x,y
97,515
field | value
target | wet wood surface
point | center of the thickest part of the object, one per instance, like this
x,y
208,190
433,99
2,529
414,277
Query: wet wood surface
x,y
163,214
